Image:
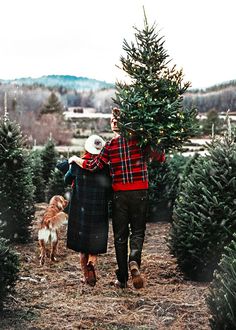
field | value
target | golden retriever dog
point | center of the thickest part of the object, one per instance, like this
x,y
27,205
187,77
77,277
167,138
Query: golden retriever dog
x,y
53,219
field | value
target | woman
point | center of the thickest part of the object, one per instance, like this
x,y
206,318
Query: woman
x,y
88,211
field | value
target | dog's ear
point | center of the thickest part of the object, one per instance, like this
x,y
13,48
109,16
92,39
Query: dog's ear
x,y
62,202
60,205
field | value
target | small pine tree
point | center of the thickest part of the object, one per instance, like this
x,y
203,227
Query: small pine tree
x,y
205,211
164,180
53,105
16,187
49,157
151,104
188,168
157,191
56,184
37,172
9,268
222,294
213,118
177,166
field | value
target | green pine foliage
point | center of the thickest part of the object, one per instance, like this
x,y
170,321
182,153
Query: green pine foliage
x,y
151,103
9,268
56,184
204,216
164,180
187,169
37,172
189,166
177,167
53,105
222,294
49,156
213,119
157,200
16,187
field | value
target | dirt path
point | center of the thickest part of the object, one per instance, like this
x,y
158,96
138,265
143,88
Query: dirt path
x,y
53,297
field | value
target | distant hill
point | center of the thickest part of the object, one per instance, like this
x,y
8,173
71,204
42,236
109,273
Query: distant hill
x,y
31,93
221,97
66,81
214,88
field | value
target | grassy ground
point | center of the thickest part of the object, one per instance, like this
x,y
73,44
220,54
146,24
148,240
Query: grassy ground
x,y
53,297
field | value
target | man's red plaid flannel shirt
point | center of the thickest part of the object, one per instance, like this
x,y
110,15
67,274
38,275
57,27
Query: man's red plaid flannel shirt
x,y
127,162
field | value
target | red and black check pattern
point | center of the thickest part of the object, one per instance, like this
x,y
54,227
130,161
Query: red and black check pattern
x,y
128,167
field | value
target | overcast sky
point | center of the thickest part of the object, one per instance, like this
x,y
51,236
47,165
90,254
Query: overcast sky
x,y
85,37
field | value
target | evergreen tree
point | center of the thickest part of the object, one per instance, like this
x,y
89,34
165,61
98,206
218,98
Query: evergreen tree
x,y
157,200
9,268
221,299
37,172
188,168
151,104
177,167
164,181
205,211
49,157
53,105
56,184
213,119
16,188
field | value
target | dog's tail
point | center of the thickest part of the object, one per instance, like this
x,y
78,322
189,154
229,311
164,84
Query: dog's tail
x,y
44,234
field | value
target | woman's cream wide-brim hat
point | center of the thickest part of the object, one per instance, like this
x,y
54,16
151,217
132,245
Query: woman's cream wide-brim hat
x,y
94,144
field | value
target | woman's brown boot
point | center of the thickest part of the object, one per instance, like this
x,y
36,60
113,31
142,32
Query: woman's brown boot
x,y
83,264
92,260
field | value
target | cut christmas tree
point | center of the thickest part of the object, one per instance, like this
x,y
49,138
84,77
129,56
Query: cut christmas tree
x,y
151,103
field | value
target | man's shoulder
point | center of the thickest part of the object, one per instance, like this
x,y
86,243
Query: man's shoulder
x,y
123,140
113,140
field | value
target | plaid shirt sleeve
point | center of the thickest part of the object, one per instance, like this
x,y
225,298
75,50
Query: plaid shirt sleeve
x,y
99,161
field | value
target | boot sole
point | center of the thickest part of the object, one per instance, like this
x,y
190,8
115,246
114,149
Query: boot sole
x,y
137,279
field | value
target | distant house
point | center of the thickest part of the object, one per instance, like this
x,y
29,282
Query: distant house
x,y
75,110
86,121
222,115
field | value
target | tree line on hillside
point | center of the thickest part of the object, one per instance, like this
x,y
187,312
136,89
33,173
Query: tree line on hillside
x,y
39,110
220,99
214,88
27,98
48,120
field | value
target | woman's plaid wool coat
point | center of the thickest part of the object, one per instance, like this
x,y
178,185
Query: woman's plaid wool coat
x,y
88,211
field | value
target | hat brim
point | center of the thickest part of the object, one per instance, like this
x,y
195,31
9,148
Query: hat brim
x,y
90,147
92,150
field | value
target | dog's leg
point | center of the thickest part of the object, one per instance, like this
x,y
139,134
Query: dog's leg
x,y
54,243
42,251
43,238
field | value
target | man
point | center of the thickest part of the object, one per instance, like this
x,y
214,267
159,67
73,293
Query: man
x,y
128,169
